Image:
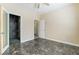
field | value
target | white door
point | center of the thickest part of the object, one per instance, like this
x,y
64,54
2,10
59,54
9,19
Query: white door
x,y
4,29
41,29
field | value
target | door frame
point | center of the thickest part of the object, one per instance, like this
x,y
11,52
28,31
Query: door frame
x,y
3,49
19,21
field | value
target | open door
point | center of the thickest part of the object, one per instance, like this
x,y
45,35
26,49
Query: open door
x,y
4,30
41,31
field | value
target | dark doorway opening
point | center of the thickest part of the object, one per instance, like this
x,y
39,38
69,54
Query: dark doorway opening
x,y
14,33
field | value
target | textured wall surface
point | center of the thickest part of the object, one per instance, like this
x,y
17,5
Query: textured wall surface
x,y
27,19
62,24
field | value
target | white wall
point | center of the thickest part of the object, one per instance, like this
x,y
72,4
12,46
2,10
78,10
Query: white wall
x,y
62,24
27,19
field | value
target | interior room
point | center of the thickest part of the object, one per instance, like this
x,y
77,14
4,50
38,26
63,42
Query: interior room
x,y
39,28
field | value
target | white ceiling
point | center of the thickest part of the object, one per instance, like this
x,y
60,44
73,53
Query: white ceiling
x,y
41,10
51,7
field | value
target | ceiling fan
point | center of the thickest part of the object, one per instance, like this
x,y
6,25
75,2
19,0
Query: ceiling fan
x,y
37,5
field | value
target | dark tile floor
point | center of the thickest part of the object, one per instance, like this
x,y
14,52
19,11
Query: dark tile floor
x,y
14,48
41,47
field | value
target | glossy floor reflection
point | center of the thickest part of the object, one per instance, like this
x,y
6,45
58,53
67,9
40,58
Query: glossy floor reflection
x,y
14,47
42,47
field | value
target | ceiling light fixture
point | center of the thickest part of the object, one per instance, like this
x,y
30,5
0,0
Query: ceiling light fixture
x,y
38,5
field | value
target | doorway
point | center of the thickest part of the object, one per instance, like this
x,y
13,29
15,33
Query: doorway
x,y
36,24
14,33
39,29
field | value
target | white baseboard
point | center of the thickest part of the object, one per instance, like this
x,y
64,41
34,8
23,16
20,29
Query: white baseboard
x,y
25,40
69,43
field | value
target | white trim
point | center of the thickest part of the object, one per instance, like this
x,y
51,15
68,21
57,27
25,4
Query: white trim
x,y
22,41
60,41
5,49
